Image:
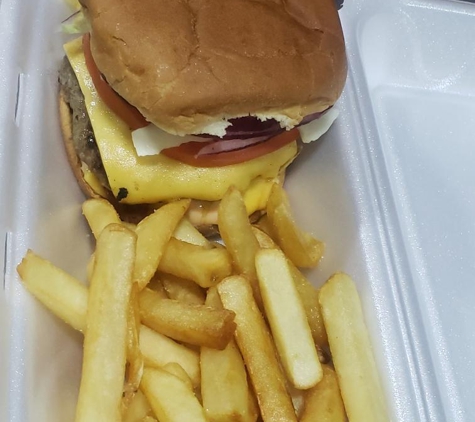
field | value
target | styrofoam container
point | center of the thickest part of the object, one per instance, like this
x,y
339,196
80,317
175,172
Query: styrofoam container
x,y
391,190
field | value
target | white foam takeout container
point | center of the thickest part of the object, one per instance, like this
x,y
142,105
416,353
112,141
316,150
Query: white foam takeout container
x,y
391,190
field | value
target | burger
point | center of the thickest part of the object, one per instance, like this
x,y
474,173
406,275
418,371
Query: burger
x,y
165,99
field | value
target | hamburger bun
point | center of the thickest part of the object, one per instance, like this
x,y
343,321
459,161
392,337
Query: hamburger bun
x,y
213,60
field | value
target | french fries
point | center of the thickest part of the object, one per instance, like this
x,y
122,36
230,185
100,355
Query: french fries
x,y
100,393
309,297
138,408
155,350
186,232
67,298
194,324
224,379
206,267
301,248
308,293
287,319
134,355
323,402
264,240
99,214
153,234
185,291
257,349
170,397
159,350
61,293
236,232
351,351
177,370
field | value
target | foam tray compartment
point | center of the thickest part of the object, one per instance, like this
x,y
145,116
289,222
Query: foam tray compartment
x,y
390,188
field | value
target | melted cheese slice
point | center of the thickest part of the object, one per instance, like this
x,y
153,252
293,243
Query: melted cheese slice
x,y
155,178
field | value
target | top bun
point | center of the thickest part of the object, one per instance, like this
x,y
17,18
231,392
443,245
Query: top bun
x,y
188,66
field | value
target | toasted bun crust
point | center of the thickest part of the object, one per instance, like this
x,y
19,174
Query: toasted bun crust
x,y
189,65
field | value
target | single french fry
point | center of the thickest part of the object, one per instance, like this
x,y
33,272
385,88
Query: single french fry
x,y
185,291
236,232
257,349
224,388
308,293
186,232
300,247
309,297
138,408
264,240
102,380
61,293
134,356
287,319
159,350
170,397
99,214
206,267
351,350
177,370
323,402
153,234
193,324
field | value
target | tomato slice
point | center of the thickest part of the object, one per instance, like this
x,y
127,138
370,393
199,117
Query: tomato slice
x,y
189,153
127,112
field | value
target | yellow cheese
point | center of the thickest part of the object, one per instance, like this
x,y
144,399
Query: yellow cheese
x,y
91,179
155,178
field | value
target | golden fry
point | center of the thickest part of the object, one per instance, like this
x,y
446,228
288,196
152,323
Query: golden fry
x,y
153,234
287,319
102,380
300,247
323,402
99,214
170,397
351,351
138,408
264,240
67,298
309,297
177,370
224,386
185,291
257,349
236,232
134,356
206,267
186,232
194,324
61,293
159,350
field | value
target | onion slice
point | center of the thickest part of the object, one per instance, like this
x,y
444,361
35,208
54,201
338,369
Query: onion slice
x,y
229,145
